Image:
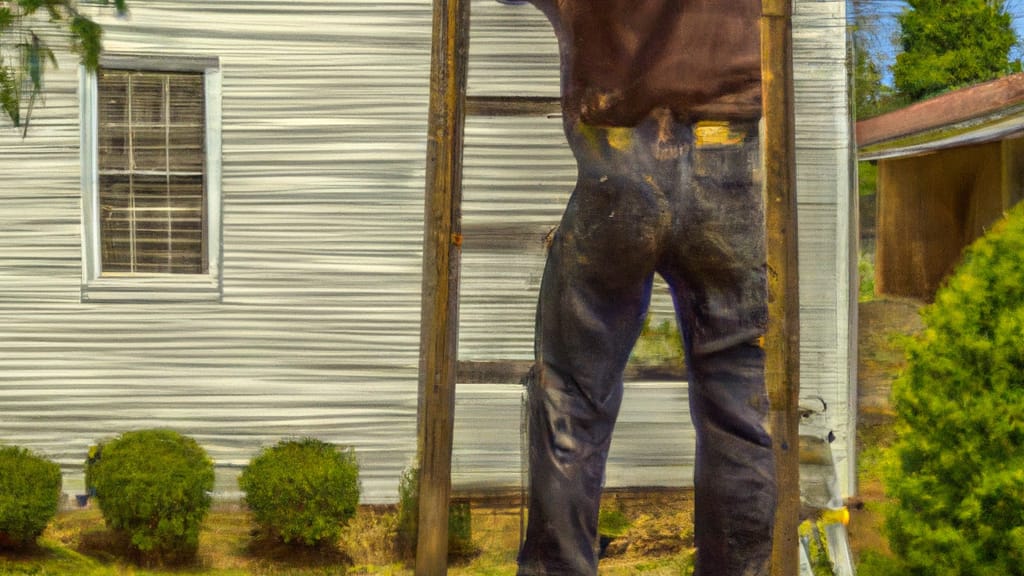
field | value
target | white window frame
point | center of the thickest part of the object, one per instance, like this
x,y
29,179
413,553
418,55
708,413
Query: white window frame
x,y
97,287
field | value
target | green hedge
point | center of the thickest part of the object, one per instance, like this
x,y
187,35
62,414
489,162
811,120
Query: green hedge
x,y
153,486
30,489
957,471
302,491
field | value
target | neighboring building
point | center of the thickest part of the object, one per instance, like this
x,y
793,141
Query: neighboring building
x,y
276,292
948,167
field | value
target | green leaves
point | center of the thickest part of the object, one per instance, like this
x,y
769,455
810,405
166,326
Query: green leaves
x,y
952,43
153,486
87,41
957,479
460,524
302,491
6,19
25,56
35,56
10,97
29,494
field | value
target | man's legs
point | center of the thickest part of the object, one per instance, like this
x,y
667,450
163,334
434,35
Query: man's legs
x,y
593,300
734,477
716,271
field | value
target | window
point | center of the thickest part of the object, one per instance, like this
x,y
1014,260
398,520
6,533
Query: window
x,y
151,172
151,179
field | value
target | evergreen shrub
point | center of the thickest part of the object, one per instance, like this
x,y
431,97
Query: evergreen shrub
x,y
460,520
302,491
956,474
153,487
30,488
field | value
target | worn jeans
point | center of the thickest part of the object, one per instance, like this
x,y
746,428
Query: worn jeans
x,y
685,202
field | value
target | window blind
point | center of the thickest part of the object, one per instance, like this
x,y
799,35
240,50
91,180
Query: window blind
x,y
151,172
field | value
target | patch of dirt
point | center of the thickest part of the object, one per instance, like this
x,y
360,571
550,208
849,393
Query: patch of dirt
x,y
660,523
649,536
881,325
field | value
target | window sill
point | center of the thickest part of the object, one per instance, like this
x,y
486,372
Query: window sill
x,y
153,288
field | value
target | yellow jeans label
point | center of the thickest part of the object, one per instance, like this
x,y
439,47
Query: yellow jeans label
x,y
714,133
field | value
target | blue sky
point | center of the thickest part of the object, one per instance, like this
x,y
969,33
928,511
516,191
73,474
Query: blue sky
x,y
885,28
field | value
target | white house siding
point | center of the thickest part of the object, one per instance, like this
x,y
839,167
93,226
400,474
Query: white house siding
x,y
317,333
324,121
827,249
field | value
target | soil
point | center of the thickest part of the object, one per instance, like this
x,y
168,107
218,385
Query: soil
x,y
881,324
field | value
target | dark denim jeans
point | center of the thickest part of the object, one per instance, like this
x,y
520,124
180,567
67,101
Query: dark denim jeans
x,y
683,201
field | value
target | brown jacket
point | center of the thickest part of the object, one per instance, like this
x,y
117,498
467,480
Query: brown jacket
x,y
623,58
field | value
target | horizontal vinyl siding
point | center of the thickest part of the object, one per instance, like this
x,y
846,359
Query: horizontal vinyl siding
x,y
512,51
520,186
317,334
653,443
324,121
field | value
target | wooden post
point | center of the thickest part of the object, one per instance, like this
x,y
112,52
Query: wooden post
x,y
442,241
783,337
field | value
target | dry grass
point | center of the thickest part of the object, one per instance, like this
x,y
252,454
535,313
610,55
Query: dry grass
x,y
77,543
369,539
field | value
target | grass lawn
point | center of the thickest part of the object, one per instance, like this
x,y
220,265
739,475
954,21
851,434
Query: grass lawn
x,y
657,542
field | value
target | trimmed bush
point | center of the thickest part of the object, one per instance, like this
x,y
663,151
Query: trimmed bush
x,y
153,487
460,520
302,491
29,495
957,469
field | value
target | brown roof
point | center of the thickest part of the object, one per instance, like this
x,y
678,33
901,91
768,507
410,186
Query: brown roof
x,y
944,110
